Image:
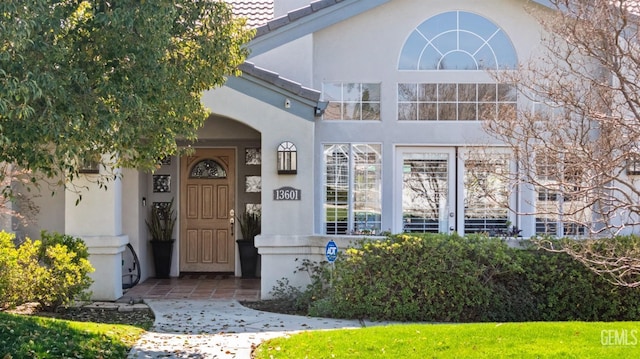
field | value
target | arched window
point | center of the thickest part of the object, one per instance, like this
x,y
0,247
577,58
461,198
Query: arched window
x,y
457,40
208,169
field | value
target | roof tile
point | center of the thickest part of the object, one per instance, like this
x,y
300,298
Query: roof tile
x,y
299,13
278,22
275,79
293,15
257,12
321,4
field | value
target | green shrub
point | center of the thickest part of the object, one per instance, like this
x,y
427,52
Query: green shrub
x,y
418,278
292,299
448,278
53,271
67,260
8,269
557,287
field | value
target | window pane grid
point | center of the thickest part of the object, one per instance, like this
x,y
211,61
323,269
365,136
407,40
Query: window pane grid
x,y
367,193
352,101
455,102
486,194
424,192
336,188
559,211
353,183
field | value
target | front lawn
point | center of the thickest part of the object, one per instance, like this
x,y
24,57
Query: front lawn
x,y
37,337
478,340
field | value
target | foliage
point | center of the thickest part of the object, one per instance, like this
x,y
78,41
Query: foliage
x,y
553,286
34,337
292,299
616,259
475,340
161,222
8,269
413,278
250,225
66,260
74,245
53,271
79,79
448,278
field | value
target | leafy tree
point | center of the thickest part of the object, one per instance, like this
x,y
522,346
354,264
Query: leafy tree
x,y
574,145
80,79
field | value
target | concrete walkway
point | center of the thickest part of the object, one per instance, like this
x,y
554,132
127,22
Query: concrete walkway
x,y
219,329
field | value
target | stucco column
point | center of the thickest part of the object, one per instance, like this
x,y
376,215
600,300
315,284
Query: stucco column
x,y
97,219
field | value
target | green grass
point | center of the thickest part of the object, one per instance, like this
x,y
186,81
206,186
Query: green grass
x,y
480,340
37,337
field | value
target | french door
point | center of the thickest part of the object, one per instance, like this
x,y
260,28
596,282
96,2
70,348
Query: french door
x,y
447,189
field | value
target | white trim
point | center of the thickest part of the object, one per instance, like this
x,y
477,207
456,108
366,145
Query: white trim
x,y
398,166
456,168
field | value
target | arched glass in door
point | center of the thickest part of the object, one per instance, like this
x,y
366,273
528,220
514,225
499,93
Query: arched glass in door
x,y
207,169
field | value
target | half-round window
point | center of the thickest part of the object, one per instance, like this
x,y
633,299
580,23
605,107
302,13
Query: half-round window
x,y
458,40
208,169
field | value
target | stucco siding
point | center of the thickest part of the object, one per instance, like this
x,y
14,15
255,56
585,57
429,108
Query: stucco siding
x,y
300,70
275,125
50,203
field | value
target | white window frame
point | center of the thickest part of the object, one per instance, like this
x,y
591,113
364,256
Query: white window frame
x,y
343,101
351,209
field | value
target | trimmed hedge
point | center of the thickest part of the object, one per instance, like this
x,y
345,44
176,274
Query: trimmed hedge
x,y
448,278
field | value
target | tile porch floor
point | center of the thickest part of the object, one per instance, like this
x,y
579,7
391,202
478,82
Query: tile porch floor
x,y
196,286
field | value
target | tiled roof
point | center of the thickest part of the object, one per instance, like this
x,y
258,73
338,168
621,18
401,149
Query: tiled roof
x,y
257,12
275,79
271,24
294,15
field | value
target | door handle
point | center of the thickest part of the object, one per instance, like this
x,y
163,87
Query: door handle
x,y
452,215
232,220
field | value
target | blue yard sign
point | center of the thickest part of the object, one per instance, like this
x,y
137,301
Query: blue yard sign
x,y
331,251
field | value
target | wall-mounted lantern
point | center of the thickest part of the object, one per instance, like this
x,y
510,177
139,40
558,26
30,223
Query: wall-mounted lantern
x,y
287,158
88,167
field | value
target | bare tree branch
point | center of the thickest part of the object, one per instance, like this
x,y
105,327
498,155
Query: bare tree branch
x,y
580,127
577,130
615,259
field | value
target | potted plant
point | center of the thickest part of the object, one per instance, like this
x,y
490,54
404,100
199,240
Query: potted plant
x,y
160,225
249,228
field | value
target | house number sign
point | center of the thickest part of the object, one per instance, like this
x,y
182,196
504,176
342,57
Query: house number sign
x,y
286,194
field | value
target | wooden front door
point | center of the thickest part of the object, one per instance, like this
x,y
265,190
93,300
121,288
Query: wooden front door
x,y
207,197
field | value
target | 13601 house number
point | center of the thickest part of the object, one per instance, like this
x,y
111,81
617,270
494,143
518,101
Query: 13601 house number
x,y
286,194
